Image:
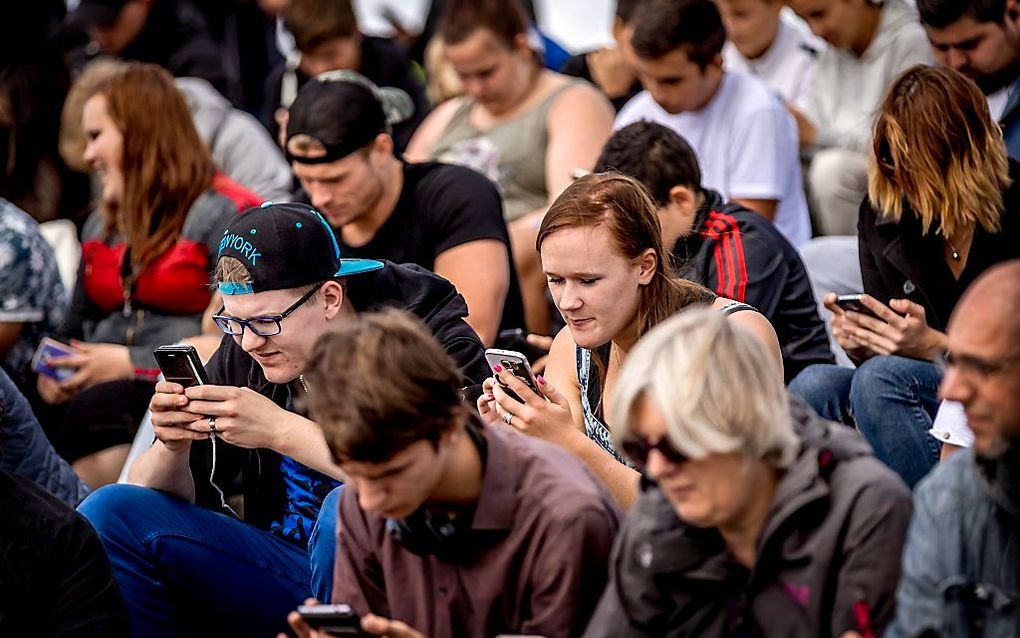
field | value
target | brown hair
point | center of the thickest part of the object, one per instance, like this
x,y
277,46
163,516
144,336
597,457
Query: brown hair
x,y
624,207
165,163
71,142
313,22
380,383
505,19
937,146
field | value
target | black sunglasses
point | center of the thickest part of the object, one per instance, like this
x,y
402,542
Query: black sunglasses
x,y
638,449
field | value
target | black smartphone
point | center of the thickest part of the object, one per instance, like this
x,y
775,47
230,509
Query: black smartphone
x,y
180,364
333,620
853,303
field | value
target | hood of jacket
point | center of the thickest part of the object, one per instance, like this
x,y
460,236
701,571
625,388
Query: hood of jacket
x,y
209,109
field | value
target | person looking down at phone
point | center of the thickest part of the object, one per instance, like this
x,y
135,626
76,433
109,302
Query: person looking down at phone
x,y
445,218
760,519
144,276
449,527
602,253
720,244
177,548
943,207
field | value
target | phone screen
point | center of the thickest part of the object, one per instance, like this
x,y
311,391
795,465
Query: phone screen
x,y
180,366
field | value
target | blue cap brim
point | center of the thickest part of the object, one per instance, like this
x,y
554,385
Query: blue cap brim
x,y
357,266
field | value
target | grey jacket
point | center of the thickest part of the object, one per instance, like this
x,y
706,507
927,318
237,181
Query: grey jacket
x,y
827,559
239,145
961,565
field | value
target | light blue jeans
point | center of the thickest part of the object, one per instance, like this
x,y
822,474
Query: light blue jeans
x,y
186,571
892,401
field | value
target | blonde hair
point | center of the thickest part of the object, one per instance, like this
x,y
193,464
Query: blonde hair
x,y
936,146
715,385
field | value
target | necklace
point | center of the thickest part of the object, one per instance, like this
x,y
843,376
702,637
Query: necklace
x,y
304,384
953,249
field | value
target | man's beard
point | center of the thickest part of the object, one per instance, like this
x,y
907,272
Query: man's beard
x,y
994,81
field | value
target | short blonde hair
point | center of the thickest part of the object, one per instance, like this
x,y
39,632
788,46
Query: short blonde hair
x,y
716,386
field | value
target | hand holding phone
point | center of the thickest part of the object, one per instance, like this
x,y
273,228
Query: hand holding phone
x,y
332,620
180,364
516,364
855,303
51,348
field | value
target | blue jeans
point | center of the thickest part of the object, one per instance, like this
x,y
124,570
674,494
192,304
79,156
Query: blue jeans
x,y
892,400
177,563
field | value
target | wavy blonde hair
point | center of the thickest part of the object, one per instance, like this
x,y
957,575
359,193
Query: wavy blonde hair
x,y
937,147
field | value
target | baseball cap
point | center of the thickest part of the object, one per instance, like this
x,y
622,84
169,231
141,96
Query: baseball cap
x,y
101,12
285,246
344,111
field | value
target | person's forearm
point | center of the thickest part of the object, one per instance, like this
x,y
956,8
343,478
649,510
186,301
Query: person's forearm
x,y
163,469
621,481
303,441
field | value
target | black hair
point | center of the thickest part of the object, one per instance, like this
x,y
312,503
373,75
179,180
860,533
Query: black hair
x,y
625,9
654,155
942,13
662,26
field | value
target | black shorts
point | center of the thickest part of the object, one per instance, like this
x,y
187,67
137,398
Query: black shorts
x,y
103,416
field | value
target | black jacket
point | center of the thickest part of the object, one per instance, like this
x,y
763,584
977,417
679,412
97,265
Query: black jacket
x,y
408,287
740,255
55,578
177,38
900,261
827,560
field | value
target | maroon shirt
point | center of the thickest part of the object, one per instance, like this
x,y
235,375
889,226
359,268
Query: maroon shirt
x,y
534,562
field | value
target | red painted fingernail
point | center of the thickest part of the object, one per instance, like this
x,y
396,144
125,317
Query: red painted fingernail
x,y
541,380
498,368
490,395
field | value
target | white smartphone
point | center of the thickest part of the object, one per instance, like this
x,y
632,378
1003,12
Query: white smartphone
x,y
517,364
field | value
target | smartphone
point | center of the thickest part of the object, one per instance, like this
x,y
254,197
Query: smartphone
x,y
518,366
333,620
854,304
516,340
180,364
51,348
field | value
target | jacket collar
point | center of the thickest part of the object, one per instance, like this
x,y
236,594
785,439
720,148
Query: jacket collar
x,y
1000,478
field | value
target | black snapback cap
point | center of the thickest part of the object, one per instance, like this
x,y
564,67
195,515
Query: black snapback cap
x,y
285,246
101,12
344,111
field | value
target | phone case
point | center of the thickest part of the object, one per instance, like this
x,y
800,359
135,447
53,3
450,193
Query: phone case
x,y
51,348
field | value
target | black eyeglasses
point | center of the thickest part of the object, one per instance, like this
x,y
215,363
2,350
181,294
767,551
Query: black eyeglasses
x,y
976,368
637,449
267,326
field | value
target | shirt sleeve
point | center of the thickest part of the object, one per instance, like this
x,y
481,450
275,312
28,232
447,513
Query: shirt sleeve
x,y
462,206
762,150
571,574
357,575
22,271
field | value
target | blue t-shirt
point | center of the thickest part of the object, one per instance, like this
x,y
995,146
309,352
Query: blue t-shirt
x,y
306,489
31,292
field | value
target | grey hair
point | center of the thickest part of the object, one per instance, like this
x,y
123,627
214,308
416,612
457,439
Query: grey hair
x,y
716,385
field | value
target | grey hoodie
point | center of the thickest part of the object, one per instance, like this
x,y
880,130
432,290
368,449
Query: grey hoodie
x,y
827,559
240,146
849,90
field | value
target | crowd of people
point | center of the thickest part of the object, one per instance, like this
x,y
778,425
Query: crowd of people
x,y
710,332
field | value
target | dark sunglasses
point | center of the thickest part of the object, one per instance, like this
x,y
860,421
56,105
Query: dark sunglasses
x,y
638,449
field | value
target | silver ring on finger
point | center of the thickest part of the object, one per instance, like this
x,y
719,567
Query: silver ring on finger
x,y
508,418
212,425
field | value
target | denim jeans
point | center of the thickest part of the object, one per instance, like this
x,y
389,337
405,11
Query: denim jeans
x,y
892,401
177,563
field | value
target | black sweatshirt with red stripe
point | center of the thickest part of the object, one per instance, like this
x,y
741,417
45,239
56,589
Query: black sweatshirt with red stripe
x,y
740,255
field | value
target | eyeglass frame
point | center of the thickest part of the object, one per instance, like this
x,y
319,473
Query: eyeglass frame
x,y
638,448
975,367
278,319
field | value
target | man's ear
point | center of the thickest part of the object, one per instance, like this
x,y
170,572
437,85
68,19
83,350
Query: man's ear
x,y
683,199
332,298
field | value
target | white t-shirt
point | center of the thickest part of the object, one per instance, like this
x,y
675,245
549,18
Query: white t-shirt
x,y
788,66
746,143
997,101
